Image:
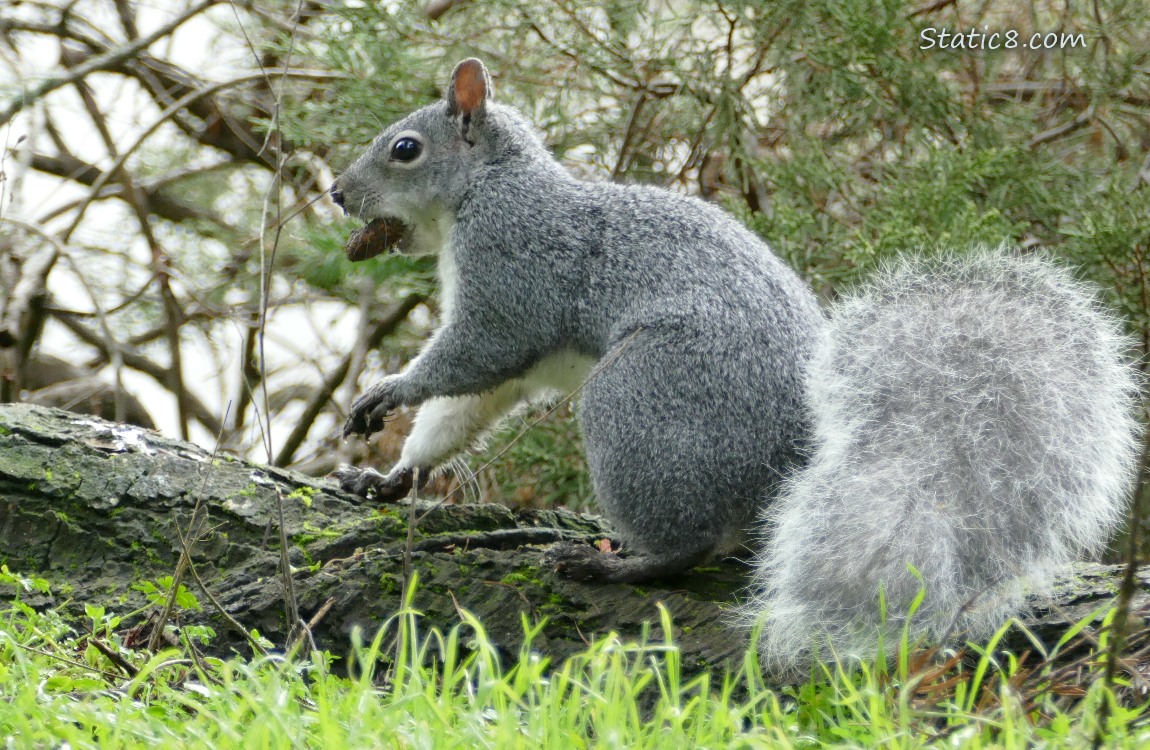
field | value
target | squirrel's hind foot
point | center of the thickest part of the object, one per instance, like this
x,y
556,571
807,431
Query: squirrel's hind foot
x,y
582,562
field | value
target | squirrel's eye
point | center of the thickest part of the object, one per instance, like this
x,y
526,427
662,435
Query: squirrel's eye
x,y
406,149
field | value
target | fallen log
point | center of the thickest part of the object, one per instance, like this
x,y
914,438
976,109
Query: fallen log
x,y
98,508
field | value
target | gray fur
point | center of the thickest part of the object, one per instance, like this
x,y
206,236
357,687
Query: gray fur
x,y
697,412
972,418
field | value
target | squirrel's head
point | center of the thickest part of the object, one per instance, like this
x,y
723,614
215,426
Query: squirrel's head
x,y
415,173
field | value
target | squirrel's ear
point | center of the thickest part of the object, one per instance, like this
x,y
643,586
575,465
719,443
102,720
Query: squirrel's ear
x,y
470,89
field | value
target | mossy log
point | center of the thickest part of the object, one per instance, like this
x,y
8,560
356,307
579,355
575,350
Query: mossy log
x,y
96,507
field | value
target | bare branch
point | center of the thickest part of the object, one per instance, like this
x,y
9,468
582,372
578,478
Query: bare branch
x,y
1077,123
323,394
250,373
164,117
196,408
436,9
60,30
71,168
99,62
28,280
127,18
932,7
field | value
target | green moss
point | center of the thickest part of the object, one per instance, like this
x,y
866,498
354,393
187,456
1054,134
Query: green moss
x,y
67,521
392,514
311,533
524,574
305,494
309,560
390,522
389,583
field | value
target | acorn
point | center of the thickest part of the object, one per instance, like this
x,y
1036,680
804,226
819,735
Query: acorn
x,y
376,237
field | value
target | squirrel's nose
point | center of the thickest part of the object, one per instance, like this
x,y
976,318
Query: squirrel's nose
x,y
337,197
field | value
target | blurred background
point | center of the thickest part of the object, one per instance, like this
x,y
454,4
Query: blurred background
x,y
168,255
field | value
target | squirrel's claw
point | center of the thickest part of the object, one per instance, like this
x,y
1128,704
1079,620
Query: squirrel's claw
x,y
369,411
371,485
358,481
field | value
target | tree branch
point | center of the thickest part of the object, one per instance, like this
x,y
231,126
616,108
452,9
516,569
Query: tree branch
x,y
69,167
100,62
323,394
196,408
147,133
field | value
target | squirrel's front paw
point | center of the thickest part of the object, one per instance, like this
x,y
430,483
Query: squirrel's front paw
x,y
371,409
579,561
357,481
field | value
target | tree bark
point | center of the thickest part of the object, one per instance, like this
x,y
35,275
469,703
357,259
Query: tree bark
x,y
95,507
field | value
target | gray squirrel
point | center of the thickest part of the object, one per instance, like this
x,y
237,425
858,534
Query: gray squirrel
x,y
964,425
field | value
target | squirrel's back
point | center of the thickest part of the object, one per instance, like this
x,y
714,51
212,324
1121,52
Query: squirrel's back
x,y
973,419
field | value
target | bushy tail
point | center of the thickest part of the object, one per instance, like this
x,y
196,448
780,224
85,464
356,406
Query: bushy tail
x,y
973,417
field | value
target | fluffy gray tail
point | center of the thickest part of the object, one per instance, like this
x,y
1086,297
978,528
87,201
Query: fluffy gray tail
x,y
973,418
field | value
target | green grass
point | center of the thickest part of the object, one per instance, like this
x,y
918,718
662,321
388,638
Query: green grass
x,y
410,689
537,461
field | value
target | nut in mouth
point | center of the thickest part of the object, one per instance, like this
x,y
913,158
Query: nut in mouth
x,y
376,237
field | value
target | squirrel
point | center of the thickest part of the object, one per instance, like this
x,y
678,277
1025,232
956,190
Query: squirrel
x,y
961,425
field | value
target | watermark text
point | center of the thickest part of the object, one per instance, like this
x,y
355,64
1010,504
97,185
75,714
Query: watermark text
x,y
974,39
